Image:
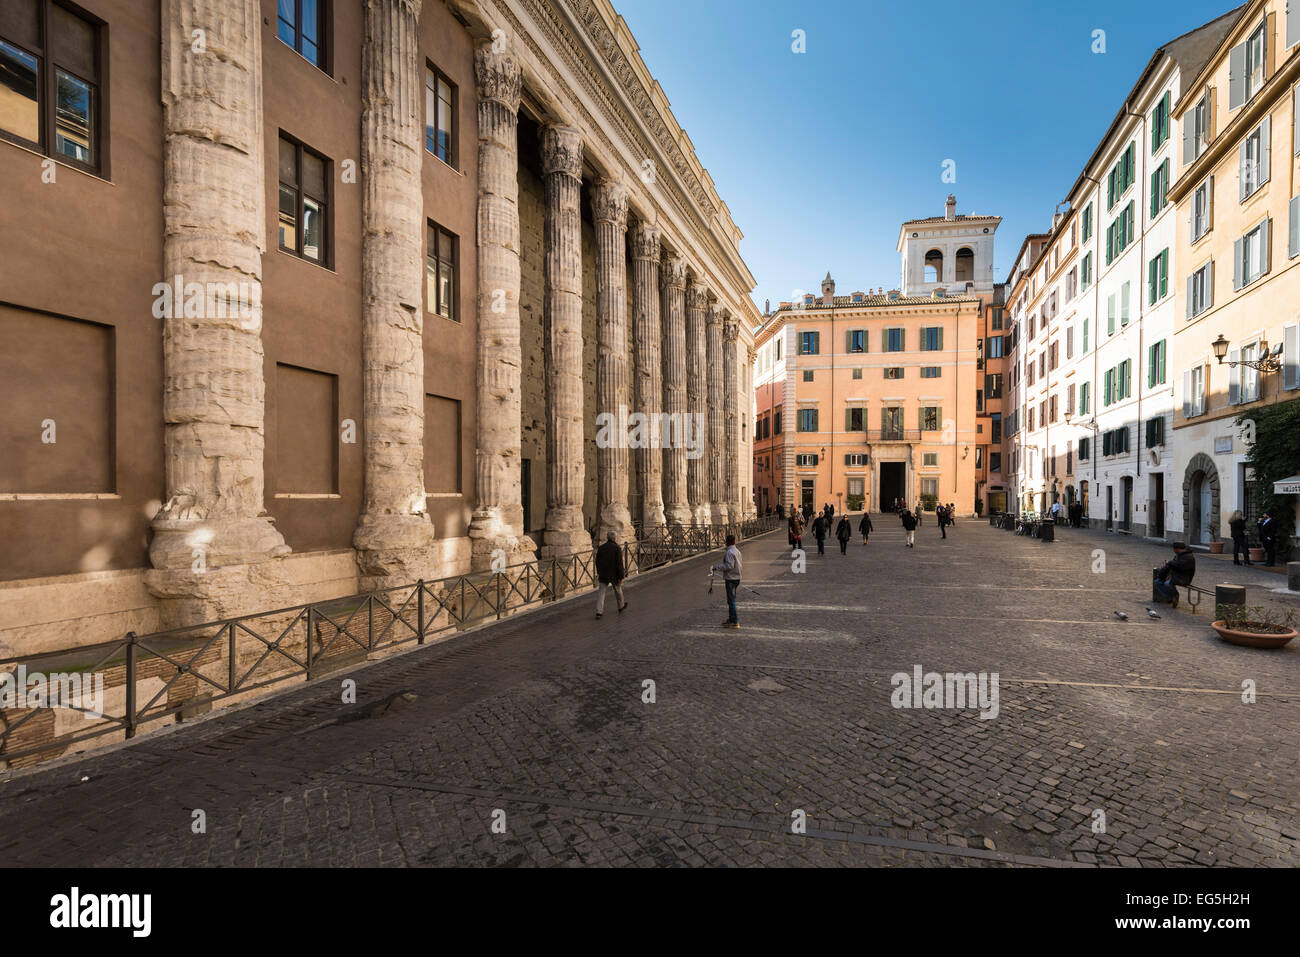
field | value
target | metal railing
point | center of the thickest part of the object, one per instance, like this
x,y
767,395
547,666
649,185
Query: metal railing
x,y
188,670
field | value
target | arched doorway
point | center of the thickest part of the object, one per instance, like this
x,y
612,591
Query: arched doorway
x,y
1201,500
934,266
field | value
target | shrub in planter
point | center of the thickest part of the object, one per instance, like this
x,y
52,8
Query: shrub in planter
x,y
854,502
1254,627
928,502
1216,548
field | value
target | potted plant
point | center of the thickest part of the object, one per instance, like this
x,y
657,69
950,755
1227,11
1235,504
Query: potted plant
x,y
1256,553
1257,627
1216,547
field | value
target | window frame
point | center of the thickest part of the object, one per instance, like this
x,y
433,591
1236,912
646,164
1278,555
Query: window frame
x,y
326,259
324,41
434,75
434,230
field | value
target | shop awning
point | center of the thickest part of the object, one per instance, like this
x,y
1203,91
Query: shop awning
x,y
1287,486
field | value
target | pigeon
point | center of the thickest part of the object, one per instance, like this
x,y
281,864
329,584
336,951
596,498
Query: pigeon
x,y
1121,616
1152,614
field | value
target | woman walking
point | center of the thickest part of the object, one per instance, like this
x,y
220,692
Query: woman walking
x,y
843,532
1237,525
796,530
864,527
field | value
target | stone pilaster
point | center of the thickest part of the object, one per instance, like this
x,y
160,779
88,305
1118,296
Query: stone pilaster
x,y
730,390
497,524
609,211
697,469
748,505
672,281
394,535
648,373
214,546
717,405
566,533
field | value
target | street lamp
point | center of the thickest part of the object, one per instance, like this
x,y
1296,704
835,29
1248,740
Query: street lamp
x,y
1269,361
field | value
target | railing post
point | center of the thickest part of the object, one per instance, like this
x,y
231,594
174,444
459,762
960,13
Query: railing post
x,y
370,622
419,611
311,630
232,674
553,564
499,598
130,684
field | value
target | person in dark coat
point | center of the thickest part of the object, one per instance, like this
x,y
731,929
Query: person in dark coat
x,y
864,527
1179,570
609,573
796,530
909,525
1237,526
1268,537
941,513
843,532
821,527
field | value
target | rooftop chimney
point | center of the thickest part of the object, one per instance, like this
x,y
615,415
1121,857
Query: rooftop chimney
x,y
950,208
828,291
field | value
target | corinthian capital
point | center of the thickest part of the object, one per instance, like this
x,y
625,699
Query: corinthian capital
x,y
672,270
609,202
496,74
697,295
562,151
645,241
730,328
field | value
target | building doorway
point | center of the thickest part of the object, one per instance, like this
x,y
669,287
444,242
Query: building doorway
x,y
1126,485
806,489
1110,508
1083,496
893,484
1201,500
1156,506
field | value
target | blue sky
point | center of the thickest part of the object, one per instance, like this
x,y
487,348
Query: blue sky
x,y
821,155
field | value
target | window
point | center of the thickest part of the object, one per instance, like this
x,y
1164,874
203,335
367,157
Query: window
x,y
1125,379
776,423
1071,284
994,346
1087,222
855,460
995,428
1196,130
1069,342
50,90
809,343
1253,160
778,350
1124,297
1155,432
1202,208
305,178
1085,398
1250,253
993,386
1054,355
300,25
1031,327
1052,406
1110,314
1254,74
929,488
1029,372
1085,336
894,372
929,459
1085,272
807,421
807,375
1119,234
996,323
995,461
440,116
1244,383
1121,176
1160,122
1156,355
440,272
891,422
857,373
856,341
806,460
1159,188
893,340
930,372
1200,290
932,339
1030,425
1069,398
1158,278
1083,450
1194,391
854,420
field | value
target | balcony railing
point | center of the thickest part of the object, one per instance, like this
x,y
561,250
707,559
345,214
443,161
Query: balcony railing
x,y
895,435
185,671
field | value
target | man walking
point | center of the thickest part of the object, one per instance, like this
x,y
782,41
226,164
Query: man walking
x,y
609,573
820,529
843,532
1268,537
909,525
730,568
864,527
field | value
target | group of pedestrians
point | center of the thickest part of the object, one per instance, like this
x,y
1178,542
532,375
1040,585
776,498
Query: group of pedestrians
x,y
1268,537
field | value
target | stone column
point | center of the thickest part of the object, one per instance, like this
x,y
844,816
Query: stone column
x,y
672,281
731,393
394,536
697,468
214,546
648,375
566,533
748,505
609,210
497,524
717,442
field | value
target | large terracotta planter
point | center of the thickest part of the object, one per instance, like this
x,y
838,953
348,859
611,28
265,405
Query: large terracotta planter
x,y
1251,639
1257,554
1216,548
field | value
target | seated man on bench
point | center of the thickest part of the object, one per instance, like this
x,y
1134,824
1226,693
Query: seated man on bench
x,y
1178,571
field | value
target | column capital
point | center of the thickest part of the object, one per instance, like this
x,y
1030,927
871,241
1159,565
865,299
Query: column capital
x,y
497,75
672,270
714,313
730,328
609,202
697,294
562,151
645,241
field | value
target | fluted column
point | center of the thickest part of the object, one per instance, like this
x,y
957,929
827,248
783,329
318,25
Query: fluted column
x,y
648,375
697,469
717,441
394,535
672,282
497,523
213,543
609,211
730,390
566,532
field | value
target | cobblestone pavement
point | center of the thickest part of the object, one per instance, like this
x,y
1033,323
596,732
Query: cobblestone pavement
x,y
539,724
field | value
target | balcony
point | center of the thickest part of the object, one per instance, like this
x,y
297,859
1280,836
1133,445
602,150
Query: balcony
x,y
895,435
